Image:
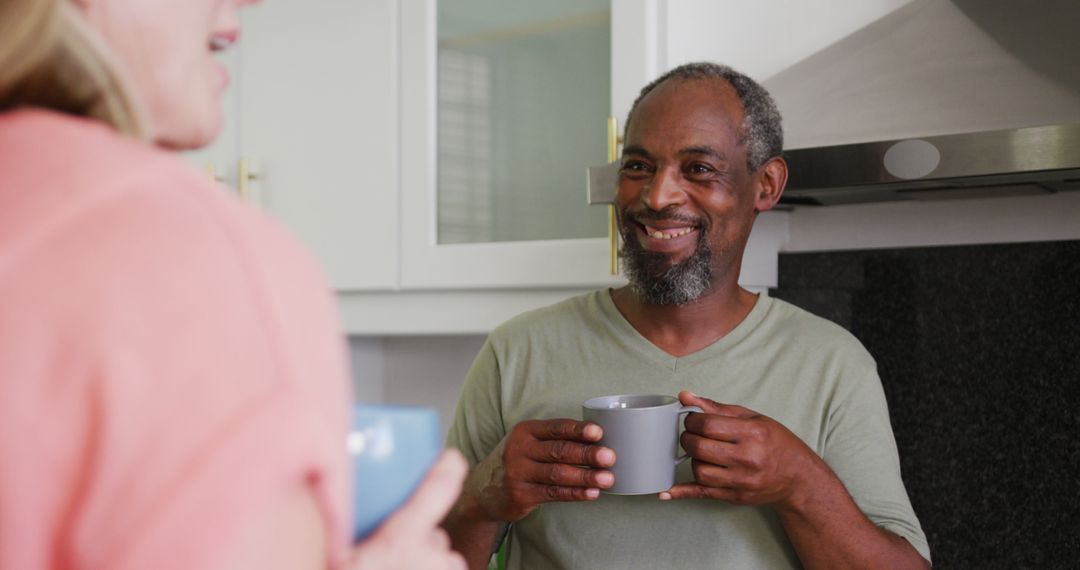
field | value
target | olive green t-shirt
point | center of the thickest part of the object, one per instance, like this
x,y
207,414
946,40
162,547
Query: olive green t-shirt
x,y
803,371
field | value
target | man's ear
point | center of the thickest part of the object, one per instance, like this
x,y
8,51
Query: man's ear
x,y
771,179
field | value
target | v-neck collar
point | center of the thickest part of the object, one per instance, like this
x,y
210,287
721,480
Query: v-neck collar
x,y
655,354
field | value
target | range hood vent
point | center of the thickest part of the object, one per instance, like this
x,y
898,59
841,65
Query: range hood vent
x,y
952,91
1012,162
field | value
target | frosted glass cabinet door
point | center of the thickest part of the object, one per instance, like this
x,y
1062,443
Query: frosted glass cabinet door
x,y
521,87
503,106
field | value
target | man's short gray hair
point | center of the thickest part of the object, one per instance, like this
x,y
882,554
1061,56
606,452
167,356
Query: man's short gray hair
x,y
761,130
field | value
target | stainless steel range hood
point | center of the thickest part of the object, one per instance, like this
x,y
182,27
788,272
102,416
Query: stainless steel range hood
x,y
938,100
1014,162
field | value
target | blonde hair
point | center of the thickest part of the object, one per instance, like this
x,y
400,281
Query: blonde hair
x,y
50,59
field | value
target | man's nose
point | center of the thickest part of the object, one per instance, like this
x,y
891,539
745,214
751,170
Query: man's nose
x,y
663,190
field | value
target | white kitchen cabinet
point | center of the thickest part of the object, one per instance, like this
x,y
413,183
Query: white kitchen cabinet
x,y
312,112
332,110
432,259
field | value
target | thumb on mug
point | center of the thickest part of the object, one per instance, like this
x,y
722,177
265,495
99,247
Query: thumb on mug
x,y
689,398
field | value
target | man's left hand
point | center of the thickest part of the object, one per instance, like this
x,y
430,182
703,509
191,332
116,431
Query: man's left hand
x,y
741,457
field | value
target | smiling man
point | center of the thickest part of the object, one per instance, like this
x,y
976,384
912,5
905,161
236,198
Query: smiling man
x,y
798,466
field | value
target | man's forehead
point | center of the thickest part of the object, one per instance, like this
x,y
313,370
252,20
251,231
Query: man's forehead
x,y
690,150
696,112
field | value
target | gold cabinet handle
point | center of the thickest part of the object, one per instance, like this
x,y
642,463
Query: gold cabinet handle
x,y
245,175
613,140
211,171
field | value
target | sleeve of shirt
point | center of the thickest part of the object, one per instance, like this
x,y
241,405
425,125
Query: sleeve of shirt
x,y
861,450
478,425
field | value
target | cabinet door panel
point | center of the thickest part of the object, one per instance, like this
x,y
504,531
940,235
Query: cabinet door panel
x,y
319,122
468,259
521,88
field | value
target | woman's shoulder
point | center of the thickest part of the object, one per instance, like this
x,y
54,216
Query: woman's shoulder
x,y
46,147
57,171
72,190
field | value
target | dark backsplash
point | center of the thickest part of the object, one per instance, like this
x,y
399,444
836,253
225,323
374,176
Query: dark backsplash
x,y
978,348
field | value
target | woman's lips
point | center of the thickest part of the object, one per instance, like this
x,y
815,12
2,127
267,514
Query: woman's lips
x,y
221,40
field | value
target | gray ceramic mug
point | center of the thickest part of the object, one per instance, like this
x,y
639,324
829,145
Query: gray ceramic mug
x,y
643,430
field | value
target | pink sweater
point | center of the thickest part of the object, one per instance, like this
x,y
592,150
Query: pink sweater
x,y
169,358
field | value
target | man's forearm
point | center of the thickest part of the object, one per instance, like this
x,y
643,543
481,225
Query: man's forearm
x,y
472,533
828,530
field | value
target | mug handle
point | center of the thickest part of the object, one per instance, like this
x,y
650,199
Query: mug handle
x,y
687,410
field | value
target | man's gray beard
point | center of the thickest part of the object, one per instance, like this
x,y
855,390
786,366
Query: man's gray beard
x,y
656,282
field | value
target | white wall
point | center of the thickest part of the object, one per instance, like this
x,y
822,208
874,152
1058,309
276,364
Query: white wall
x,y
368,369
414,370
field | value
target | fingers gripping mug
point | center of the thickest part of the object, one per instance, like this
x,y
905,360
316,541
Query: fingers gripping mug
x,y
643,430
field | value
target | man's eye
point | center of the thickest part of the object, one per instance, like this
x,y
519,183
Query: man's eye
x,y
635,166
699,169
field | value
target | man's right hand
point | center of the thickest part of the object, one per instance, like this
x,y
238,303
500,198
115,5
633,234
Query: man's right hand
x,y
539,461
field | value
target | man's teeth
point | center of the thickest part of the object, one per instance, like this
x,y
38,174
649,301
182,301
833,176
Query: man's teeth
x,y
667,234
